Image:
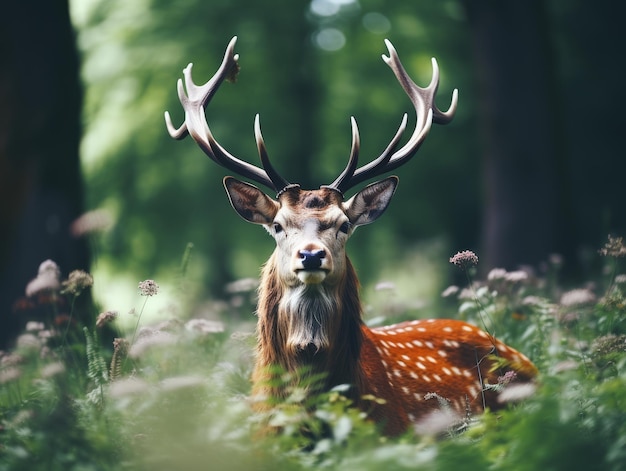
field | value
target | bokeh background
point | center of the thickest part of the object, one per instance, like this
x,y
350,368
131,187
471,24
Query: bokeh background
x,y
531,167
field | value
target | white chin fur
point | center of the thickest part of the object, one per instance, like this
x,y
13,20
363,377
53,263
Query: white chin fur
x,y
311,277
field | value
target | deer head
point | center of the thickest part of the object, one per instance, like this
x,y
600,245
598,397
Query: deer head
x,y
310,227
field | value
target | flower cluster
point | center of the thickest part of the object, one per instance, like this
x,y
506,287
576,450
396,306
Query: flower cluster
x,y
464,259
78,281
105,318
47,279
614,248
148,288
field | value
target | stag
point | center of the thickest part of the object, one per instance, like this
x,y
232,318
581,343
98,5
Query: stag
x,y
309,310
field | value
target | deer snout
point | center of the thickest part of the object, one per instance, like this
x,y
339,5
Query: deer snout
x,y
312,259
311,263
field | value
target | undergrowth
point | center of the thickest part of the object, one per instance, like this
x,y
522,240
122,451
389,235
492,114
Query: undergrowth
x,y
176,395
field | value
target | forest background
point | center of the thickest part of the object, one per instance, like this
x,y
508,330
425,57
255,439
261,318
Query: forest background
x,y
530,167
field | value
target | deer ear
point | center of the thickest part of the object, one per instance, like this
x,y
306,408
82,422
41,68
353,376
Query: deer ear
x,y
250,203
369,203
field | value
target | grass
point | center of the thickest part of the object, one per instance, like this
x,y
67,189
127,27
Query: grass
x,y
175,395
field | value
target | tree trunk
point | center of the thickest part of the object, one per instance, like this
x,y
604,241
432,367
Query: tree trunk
x,y
525,216
40,182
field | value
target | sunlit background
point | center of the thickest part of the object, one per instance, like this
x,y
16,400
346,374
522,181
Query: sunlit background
x,y
305,77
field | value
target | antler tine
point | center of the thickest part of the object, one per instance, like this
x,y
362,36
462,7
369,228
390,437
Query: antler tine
x,y
423,100
350,177
352,161
194,102
278,181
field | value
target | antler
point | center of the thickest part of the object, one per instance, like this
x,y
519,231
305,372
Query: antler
x,y
195,102
423,100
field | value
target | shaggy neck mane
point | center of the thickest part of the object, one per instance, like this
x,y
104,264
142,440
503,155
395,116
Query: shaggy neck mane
x,y
309,330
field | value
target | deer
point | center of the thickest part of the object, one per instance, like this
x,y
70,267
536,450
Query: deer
x,y
309,310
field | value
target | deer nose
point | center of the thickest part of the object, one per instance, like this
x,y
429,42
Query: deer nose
x,y
312,259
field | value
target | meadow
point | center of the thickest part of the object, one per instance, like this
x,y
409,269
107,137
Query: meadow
x,y
125,393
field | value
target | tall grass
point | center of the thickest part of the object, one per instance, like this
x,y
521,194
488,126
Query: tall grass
x,y
176,395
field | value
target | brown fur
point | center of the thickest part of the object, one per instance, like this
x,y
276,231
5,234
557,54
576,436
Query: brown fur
x,y
365,359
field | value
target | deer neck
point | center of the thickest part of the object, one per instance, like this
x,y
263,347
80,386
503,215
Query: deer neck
x,y
311,328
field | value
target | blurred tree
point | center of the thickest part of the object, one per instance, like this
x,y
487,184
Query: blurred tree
x,y
551,176
41,190
305,70
306,67
525,172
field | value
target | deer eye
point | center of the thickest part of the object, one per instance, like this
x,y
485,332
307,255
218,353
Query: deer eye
x,y
277,228
345,227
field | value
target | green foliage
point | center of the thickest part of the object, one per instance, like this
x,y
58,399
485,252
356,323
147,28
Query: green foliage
x,y
163,194
179,395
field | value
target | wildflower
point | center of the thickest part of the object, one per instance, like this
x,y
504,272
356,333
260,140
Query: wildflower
x,y
105,317
577,297
507,378
450,291
565,365
204,326
32,326
47,279
516,276
620,279
28,342
608,344
149,339
77,282
532,300
465,259
52,369
244,285
517,392
148,288
128,387
120,345
437,422
9,374
466,293
385,286
613,248
497,274
11,359
98,220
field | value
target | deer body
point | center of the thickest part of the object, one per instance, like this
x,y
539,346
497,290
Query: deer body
x,y
311,319
309,310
